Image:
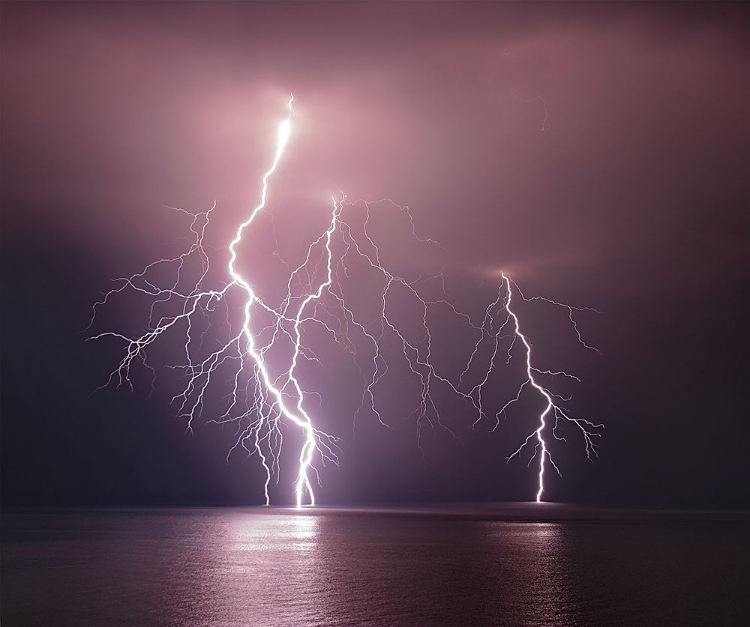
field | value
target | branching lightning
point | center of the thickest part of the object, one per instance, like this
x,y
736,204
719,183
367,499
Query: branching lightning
x,y
587,428
264,396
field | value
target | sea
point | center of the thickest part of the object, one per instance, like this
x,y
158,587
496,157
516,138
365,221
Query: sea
x,y
506,564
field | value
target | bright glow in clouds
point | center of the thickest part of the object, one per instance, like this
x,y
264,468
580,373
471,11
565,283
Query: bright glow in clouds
x,y
263,395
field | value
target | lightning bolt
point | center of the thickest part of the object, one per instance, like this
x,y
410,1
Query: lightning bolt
x,y
271,397
586,427
300,417
262,396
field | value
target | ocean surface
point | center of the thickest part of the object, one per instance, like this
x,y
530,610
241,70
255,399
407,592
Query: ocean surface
x,y
521,564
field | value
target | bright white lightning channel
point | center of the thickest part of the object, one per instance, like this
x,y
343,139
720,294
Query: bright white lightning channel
x,y
301,417
271,398
587,428
261,400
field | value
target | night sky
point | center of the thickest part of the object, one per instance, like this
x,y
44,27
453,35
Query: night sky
x,y
598,153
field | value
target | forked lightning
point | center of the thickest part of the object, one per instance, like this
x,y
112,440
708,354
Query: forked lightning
x,y
264,396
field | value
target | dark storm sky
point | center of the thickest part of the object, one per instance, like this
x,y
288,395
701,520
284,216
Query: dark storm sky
x,y
599,153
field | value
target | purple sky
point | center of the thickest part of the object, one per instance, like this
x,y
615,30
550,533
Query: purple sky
x,y
598,153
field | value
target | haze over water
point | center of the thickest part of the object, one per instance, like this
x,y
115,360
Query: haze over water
x,y
487,565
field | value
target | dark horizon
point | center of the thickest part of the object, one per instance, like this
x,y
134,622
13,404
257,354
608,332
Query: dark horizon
x,y
599,152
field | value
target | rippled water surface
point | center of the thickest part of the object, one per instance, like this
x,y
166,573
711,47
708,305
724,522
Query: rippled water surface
x,y
504,565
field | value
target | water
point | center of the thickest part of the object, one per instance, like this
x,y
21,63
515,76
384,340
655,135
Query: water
x,y
503,565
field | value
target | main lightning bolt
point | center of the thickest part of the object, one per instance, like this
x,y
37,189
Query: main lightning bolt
x,y
300,417
262,397
271,396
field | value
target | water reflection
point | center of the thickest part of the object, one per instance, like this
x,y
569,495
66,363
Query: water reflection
x,y
428,571
366,568
245,567
531,571
274,567
271,565
269,533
